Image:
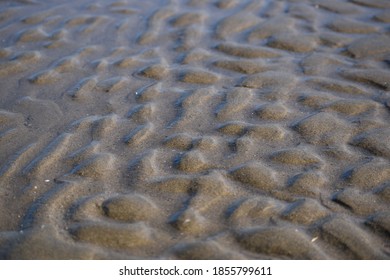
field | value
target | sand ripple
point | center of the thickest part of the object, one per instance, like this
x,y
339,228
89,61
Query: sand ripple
x,y
195,129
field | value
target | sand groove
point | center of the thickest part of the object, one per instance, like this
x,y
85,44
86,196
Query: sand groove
x,y
195,129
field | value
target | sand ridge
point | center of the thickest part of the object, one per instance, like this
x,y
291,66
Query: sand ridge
x,y
179,129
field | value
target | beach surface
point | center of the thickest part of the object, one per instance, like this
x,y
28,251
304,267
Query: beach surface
x,y
184,129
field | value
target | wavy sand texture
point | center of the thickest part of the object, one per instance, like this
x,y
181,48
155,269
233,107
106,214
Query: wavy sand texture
x,y
180,129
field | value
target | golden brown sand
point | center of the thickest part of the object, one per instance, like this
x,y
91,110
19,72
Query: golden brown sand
x,y
183,129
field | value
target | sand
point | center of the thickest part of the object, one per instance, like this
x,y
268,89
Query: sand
x,y
210,129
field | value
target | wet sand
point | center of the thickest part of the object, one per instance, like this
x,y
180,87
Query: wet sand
x,y
195,129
